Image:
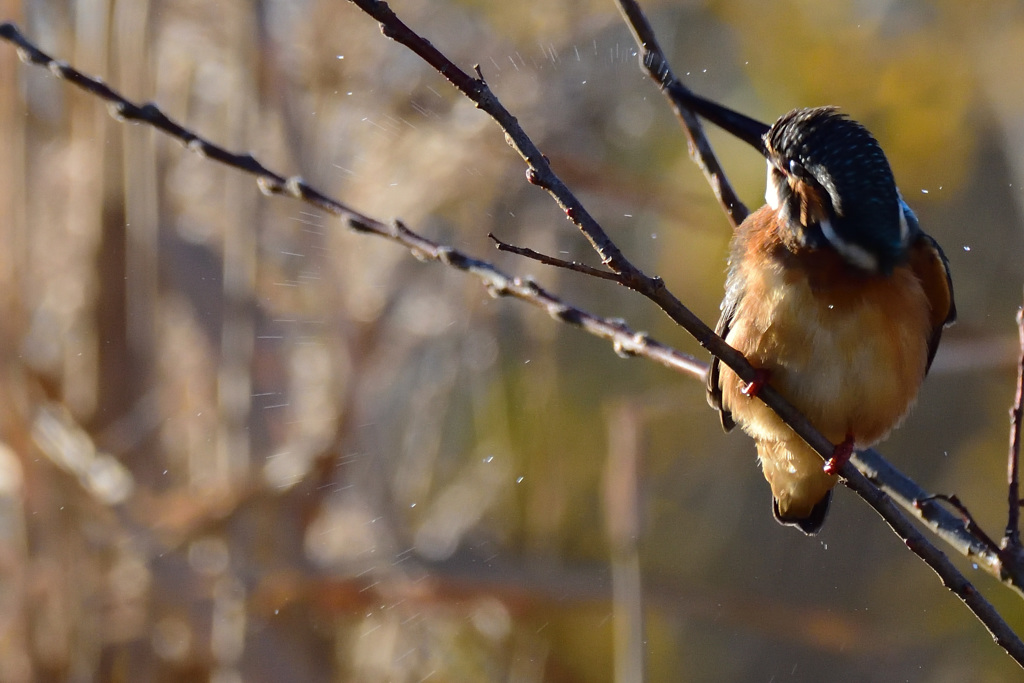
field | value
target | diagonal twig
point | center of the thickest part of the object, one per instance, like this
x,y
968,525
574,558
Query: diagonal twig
x,y
653,61
552,261
937,518
970,523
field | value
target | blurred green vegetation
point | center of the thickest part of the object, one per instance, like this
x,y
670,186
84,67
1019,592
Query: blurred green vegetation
x,y
241,443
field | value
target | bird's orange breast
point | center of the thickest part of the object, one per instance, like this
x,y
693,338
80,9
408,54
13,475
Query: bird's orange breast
x,y
847,348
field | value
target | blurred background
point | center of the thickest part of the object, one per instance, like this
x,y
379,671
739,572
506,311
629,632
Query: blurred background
x,y
239,443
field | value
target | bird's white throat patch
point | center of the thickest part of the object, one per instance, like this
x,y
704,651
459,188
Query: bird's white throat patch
x,y
772,195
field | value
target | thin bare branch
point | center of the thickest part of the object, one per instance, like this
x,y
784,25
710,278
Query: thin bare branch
x,y
939,520
951,577
1016,417
970,523
653,61
552,261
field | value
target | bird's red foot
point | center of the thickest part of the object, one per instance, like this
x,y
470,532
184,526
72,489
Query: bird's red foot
x,y
840,456
752,389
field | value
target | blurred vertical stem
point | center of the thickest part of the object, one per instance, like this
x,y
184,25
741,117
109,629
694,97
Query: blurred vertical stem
x,y
92,379
13,191
141,257
234,370
622,521
1011,540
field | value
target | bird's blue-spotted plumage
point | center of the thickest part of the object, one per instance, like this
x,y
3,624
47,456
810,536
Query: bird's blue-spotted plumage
x,y
833,291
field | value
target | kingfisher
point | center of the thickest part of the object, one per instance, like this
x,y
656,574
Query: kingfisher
x,y
835,295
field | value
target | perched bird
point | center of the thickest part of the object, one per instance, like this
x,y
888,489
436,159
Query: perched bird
x,y
833,292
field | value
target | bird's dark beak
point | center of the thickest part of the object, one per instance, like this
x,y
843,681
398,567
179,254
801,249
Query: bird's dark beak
x,y
745,128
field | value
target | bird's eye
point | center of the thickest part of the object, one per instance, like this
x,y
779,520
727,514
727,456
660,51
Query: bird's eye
x,y
797,170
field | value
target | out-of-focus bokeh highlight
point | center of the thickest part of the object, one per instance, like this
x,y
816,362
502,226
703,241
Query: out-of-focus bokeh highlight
x,y
239,443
